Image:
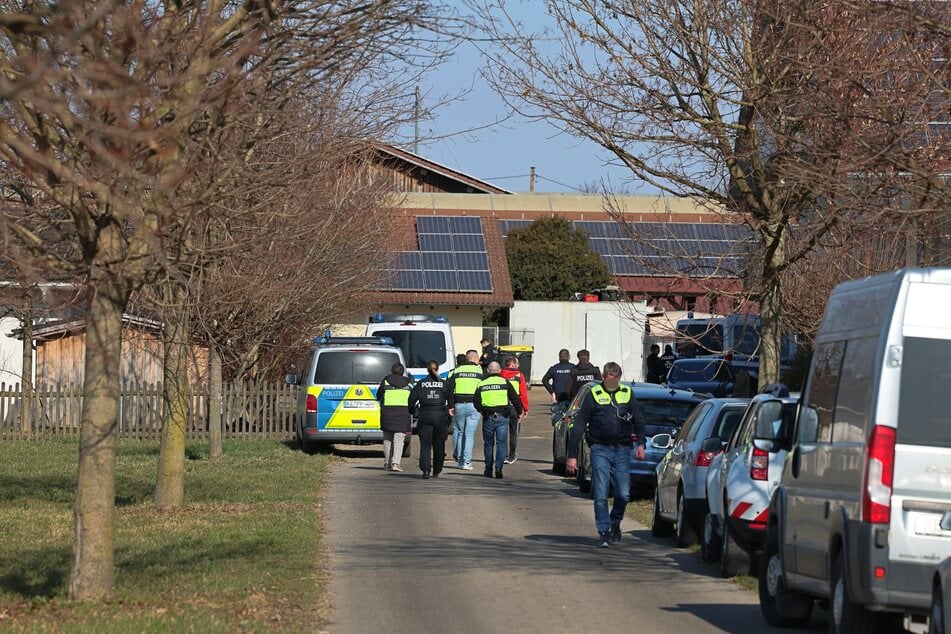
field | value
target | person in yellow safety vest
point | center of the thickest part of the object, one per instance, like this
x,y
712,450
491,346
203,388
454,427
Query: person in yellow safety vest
x,y
513,375
494,398
463,382
609,419
395,419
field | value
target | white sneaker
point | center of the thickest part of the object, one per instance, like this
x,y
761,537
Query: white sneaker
x,y
467,467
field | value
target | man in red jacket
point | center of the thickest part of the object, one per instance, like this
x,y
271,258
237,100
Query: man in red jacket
x,y
513,375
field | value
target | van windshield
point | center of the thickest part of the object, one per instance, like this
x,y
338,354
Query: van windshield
x,y
418,346
347,367
699,339
923,413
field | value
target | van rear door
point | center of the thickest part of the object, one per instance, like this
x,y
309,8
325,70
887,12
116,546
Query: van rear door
x,y
345,384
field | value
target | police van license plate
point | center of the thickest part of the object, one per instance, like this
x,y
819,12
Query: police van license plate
x,y
364,404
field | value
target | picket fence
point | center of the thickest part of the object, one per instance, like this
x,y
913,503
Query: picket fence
x,y
249,410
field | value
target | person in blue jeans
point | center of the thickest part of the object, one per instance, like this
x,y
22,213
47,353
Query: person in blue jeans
x,y
494,398
463,382
608,418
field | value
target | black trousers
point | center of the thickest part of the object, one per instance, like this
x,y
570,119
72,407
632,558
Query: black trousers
x,y
433,429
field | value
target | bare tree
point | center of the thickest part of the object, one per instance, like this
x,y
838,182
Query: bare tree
x,y
776,115
105,104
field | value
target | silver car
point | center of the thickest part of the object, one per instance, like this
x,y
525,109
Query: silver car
x,y
681,494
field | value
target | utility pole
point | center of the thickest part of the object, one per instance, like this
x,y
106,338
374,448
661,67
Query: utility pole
x,y
531,179
416,115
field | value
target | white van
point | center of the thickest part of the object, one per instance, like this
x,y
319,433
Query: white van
x,y
421,337
857,517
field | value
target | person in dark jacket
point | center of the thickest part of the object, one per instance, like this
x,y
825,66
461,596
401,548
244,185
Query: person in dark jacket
x,y
489,354
668,359
431,395
395,419
608,418
558,381
583,372
493,399
655,367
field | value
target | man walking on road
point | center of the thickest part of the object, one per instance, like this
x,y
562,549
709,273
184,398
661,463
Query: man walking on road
x,y
493,398
395,420
463,382
513,375
608,417
558,381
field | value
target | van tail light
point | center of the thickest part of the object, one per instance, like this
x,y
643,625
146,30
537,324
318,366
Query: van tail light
x,y
880,471
311,404
704,458
759,465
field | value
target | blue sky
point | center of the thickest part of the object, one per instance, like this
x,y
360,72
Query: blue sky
x,y
503,153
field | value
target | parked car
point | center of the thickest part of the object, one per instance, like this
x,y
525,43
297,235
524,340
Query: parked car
x,y
664,410
857,519
710,376
741,480
680,498
941,591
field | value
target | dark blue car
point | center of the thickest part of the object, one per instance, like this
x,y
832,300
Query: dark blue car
x,y
710,376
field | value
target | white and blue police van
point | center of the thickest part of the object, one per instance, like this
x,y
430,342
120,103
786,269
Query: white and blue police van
x,y
422,337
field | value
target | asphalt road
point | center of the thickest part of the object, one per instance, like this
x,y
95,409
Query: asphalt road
x,y
464,553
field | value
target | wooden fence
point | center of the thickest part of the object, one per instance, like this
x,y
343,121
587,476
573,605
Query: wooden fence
x,y
249,410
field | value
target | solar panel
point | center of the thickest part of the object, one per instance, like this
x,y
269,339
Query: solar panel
x,y
438,261
472,261
467,242
440,281
475,281
435,242
432,224
465,224
408,260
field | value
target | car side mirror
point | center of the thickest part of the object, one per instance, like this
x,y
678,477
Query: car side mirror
x,y
290,379
711,444
769,420
662,441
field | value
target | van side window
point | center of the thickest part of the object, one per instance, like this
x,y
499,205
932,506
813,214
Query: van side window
x,y
823,386
852,408
922,403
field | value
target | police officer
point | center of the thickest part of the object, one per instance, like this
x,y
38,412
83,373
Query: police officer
x,y
494,398
463,382
431,395
583,372
607,418
558,381
655,367
395,419
668,358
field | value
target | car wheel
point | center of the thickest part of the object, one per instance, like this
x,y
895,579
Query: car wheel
x,y
685,534
659,526
584,485
779,605
937,611
733,560
558,468
710,541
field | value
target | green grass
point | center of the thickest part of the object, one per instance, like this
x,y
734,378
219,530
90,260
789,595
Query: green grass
x,y
642,512
242,555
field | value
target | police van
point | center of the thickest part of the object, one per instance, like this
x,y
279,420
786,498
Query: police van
x,y
337,400
421,337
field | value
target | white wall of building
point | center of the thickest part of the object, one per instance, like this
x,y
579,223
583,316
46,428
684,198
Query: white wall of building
x,y
11,352
609,330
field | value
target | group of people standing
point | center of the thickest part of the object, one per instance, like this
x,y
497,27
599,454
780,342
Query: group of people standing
x,y
658,365
494,394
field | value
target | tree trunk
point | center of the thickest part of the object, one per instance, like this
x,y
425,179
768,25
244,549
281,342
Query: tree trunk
x,y
170,483
215,449
92,576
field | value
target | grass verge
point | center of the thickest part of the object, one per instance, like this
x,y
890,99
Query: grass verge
x,y
241,555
